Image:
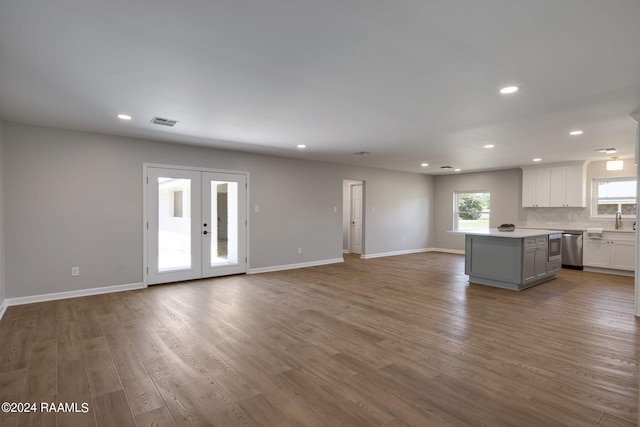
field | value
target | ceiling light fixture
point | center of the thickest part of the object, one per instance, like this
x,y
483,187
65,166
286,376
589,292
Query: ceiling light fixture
x,y
489,146
611,150
301,146
537,159
615,164
507,90
424,165
576,132
124,117
457,170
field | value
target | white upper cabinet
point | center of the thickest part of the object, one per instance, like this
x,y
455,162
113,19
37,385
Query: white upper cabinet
x,y
568,186
536,185
557,186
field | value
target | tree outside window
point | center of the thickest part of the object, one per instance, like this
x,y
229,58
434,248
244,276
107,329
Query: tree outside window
x,y
471,210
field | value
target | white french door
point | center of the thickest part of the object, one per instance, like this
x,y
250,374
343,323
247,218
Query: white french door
x,y
196,224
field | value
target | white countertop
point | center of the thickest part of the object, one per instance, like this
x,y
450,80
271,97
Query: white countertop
x,y
518,233
582,228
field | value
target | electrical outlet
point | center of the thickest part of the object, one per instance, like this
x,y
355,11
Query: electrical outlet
x,y
75,271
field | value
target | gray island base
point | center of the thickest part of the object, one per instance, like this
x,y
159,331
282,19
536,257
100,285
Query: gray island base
x,y
511,260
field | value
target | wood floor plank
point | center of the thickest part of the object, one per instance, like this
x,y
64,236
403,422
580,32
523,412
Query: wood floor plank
x,y
395,341
73,387
141,392
12,385
112,409
102,372
184,406
160,417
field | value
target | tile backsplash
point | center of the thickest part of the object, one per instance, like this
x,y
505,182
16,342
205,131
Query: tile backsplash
x,y
571,218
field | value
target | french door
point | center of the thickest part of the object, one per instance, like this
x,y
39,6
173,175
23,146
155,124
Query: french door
x,y
196,224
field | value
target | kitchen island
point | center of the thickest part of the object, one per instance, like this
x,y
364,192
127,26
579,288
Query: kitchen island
x,y
513,260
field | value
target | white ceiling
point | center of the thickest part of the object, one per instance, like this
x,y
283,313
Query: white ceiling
x,y
410,81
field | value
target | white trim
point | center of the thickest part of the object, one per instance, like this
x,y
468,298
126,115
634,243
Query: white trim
x,y
73,294
3,308
293,266
405,252
613,271
449,251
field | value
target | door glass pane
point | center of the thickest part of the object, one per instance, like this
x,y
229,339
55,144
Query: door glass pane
x,y
224,223
174,224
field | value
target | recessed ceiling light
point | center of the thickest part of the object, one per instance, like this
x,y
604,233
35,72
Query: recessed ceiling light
x,y
301,146
509,90
489,146
124,117
424,165
537,159
576,132
457,170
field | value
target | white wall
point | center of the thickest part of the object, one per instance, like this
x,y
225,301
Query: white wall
x,y
506,200
75,199
2,253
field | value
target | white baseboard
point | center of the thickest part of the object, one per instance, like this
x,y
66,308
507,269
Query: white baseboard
x,y
394,253
3,308
609,271
413,251
293,266
449,251
72,294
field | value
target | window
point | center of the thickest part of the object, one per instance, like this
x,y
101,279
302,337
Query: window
x,y
471,210
177,203
611,195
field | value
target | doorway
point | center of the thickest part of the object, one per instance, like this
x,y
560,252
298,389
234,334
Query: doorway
x,y
353,216
195,224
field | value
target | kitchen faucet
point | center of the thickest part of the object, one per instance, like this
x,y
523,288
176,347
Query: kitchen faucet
x,y
618,220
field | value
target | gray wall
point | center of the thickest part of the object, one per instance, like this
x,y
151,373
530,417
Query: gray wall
x,y
75,199
2,253
506,201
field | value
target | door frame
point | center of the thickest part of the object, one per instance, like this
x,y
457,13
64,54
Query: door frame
x,y
145,213
352,211
346,218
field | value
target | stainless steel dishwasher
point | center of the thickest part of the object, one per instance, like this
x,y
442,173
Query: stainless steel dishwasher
x,y
572,249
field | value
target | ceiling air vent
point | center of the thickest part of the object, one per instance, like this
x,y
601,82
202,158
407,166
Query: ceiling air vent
x,y
163,122
362,153
446,167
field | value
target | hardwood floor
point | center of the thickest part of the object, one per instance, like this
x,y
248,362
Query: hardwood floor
x,y
394,341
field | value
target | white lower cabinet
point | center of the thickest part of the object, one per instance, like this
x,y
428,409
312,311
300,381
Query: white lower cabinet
x,y
612,252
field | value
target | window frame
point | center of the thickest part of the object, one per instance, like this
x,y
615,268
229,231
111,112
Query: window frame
x,y
620,200
456,211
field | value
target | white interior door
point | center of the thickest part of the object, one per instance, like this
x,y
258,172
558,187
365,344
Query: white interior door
x,y
196,224
356,219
